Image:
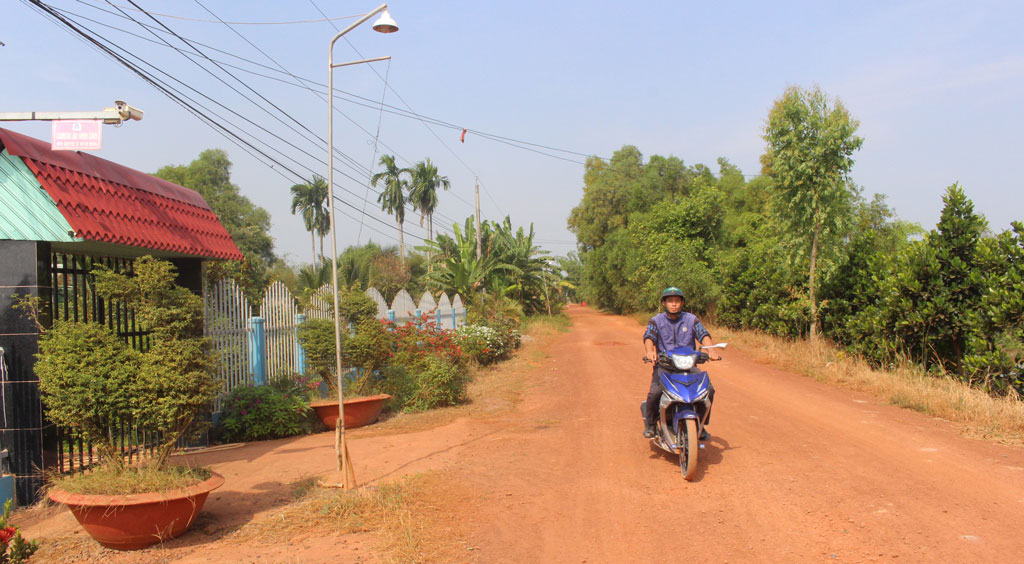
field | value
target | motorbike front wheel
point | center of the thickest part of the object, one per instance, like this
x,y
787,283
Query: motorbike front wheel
x,y
688,457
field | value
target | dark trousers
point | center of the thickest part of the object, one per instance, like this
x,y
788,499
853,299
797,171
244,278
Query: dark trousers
x,y
651,409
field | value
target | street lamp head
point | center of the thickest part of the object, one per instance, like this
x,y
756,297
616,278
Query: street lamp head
x,y
385,23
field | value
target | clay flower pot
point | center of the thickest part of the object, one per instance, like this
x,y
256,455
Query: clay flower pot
x,y
131,522
358,411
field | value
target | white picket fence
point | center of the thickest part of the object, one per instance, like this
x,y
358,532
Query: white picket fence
x,y
234,331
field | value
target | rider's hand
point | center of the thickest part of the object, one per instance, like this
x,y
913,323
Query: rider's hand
x,y
713,354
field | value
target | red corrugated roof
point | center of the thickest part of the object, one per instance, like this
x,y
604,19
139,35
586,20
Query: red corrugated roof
x,y
104,201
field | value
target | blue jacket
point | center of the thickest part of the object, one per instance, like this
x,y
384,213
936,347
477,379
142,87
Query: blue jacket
x,y
685,331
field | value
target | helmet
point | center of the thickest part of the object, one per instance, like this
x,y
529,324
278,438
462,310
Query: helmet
x,y
672,291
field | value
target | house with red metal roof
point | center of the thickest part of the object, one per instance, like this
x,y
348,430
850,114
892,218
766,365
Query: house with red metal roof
x,y
61,213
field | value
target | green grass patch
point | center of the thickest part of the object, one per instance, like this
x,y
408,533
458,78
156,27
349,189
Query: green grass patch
x,y
107,481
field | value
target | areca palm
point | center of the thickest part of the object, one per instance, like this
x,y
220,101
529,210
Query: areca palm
x,y
392,198
310,199
423,191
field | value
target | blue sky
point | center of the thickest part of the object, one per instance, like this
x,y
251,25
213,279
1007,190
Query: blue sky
x,y
936,87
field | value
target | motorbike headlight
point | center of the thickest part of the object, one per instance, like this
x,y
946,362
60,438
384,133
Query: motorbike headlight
x,y
684,361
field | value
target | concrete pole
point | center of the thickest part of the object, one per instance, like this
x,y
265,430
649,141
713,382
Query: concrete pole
x,y
479,251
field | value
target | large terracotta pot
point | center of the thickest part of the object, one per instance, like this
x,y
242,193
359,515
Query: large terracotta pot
x,y
358,411
131,522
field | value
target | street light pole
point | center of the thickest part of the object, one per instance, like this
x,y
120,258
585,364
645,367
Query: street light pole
x,y
383,25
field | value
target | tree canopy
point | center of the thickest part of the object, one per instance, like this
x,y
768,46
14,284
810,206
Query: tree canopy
x,y
799,244
248,224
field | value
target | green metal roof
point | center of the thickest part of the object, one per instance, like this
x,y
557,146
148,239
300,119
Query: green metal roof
x,y
27,212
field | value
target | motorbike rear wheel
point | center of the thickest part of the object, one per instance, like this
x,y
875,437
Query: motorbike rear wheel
x,y
688,457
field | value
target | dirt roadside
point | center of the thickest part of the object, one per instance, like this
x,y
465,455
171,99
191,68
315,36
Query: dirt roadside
x,y
796,471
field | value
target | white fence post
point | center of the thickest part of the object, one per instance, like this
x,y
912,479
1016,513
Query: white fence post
x,y
444,313
225,322
279,310
227,314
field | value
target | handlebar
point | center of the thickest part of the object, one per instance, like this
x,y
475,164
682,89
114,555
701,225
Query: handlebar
x,y
706,358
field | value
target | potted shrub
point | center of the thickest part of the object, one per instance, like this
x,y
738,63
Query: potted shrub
x,y
367,350
91,383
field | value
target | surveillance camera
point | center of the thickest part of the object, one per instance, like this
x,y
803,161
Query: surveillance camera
x,y
127,112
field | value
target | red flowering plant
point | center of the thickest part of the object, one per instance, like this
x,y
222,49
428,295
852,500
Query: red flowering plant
x,y
13,548
428,367
421,338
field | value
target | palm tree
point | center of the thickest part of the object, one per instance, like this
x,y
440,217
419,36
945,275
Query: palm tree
x,y
311,200
423,191
392,198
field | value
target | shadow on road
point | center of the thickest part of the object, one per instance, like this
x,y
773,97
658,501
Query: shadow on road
x,y
710,455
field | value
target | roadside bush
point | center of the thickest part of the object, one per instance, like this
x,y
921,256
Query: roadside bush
x,y
254,413
441,382
396,381
487,345
415,343
429,368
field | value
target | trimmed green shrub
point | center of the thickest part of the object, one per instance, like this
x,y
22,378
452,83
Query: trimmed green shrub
x,y
87,378
317,338
441,382
254,413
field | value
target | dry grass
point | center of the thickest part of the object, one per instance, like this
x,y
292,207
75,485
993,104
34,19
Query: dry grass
x,y
981,416
401,515
141,479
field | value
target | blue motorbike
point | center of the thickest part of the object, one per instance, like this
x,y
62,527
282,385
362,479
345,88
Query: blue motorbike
x,y
684,406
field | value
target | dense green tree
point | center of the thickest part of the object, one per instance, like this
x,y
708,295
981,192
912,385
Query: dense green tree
x,y
928,295
876,237
997,358
607,191
392,197
248,225
641,226
811,140
955,241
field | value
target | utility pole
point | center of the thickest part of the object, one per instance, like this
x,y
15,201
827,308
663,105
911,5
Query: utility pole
x,y
479,251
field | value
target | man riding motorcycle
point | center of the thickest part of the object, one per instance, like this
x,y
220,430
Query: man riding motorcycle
x,y
665,331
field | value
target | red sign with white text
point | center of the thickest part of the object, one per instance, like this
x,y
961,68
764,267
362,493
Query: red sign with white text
x,y
77,135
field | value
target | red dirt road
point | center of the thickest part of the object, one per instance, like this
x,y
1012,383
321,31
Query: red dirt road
x,y
796,471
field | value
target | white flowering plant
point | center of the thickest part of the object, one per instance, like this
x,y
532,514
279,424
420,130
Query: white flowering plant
x,y
487,345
